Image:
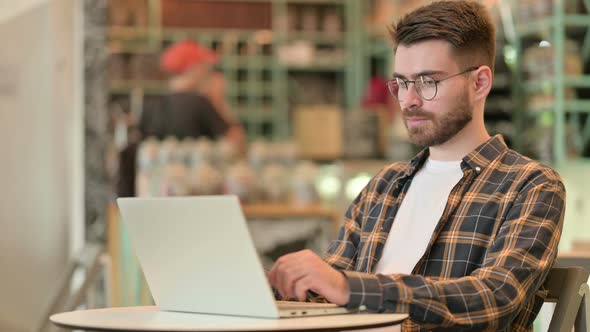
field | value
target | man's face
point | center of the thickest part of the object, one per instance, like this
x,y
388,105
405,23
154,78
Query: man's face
x,y
434,122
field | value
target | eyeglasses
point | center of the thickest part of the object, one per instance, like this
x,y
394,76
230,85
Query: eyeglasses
x,y
425,86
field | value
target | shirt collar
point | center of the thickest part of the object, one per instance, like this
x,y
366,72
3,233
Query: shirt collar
x,y
477,159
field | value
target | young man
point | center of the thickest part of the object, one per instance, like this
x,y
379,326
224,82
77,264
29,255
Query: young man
x,y
461,237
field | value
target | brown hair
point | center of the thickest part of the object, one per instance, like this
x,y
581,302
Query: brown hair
x,y
466,25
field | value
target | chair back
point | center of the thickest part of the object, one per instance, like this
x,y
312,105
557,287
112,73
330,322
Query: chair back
x,y
564,285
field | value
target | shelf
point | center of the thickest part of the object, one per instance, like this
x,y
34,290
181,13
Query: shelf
x,y
259,89
133,49
578,81
377,31
246,62
318,66
209,35
501,80
538,86
279,211
265,1
149,87
129,31
492,115
577,106
257,83
552,104
571,106
316,37
569,82
314,2
256,114
499,103
170,32
545,24
379,47
160,87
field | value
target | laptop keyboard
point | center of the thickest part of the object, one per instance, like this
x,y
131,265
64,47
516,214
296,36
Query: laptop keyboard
x,y
304,305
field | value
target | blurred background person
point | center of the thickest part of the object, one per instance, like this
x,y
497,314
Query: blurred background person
x,y
195,107
196,104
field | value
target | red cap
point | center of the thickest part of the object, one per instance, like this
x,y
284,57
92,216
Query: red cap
x,y
183,55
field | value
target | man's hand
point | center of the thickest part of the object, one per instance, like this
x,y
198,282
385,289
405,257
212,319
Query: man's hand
x,y
295,274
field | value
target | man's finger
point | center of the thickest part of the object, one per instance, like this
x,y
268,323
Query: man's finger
x,y
301,287
291,276
279,274
273,274
287,272
291,267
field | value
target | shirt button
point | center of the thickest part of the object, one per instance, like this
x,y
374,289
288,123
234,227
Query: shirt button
x,y
478,169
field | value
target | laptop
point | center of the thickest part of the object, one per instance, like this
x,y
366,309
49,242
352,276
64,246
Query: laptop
x,y
197,256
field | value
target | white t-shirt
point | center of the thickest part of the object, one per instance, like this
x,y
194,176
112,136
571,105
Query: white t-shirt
x,y
416,219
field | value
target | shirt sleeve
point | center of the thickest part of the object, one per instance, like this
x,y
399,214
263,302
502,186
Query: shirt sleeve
x,y
516,265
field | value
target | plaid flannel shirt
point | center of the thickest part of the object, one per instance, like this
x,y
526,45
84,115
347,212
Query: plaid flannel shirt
x,y
487,259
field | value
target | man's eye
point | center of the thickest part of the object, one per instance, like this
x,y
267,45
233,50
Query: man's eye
x,y
402,84
428,82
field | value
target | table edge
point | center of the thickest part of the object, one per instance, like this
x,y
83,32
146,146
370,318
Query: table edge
x,y
351,328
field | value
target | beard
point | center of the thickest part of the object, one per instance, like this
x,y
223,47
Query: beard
x,y
438,129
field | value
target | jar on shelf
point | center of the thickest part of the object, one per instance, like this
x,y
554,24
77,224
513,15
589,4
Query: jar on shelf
x,y
332,22
117,67
310,19
241,180
274,181
175,180
259,153
303,183
206,179
201,152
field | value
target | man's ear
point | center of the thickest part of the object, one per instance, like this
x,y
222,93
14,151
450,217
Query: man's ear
x,y
483,82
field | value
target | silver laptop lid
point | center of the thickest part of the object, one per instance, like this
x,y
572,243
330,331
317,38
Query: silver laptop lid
x,y
197,255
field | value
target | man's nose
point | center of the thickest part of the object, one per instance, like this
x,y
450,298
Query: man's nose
x,y
412,99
